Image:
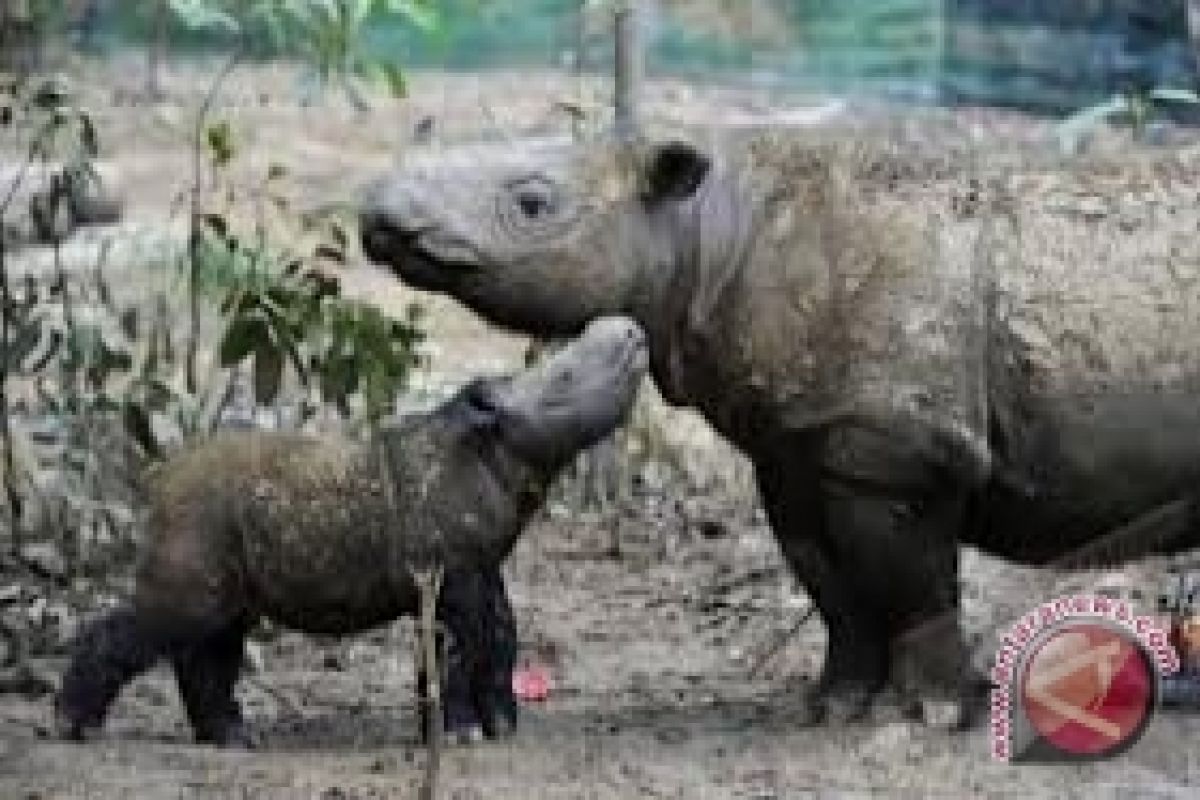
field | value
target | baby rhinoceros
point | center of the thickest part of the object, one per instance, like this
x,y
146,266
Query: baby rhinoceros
x,y
322,534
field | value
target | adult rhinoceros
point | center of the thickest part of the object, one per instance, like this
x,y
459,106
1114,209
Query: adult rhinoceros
x,y
911,357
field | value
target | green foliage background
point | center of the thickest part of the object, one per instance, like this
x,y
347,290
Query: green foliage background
x,y
1028,52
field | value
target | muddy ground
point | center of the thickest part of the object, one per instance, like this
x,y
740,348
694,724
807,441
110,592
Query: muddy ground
x,y
667,679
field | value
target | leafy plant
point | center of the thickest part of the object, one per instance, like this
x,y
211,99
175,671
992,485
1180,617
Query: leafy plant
x,y
328,35
1137,108
282,308
52,129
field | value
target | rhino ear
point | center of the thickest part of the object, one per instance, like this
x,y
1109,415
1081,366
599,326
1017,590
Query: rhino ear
x,y
674,171
481,404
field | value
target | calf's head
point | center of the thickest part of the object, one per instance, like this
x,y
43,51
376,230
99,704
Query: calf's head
x,y
582,393
539,236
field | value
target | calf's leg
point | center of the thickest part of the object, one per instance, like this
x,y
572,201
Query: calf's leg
x,y
206,671
108,653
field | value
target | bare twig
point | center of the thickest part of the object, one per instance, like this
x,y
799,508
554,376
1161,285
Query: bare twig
x,y
429,586
782,640
155,50
10,482
628,69
11,492
193,247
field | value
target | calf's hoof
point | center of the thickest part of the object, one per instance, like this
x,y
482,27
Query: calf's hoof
x,y
840,703
464,735
72,727
233,735
72,731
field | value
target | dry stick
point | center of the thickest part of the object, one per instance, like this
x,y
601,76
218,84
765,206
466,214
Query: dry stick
x,y
781,640
10,481
6,307
429,586
628,69
155,50
193,247
428,578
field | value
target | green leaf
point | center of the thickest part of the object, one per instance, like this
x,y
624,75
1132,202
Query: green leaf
x,y
50,95
339,379
330,252
201,15
87,136
243,336
358,11
421,14
219,138
137,424
1171,95
1072,131
268,373
392,77
217,224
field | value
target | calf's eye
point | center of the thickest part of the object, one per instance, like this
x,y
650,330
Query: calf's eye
x,y
534,205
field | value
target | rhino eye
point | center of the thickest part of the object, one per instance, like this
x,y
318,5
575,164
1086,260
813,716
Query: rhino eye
x,y
536,199
533,205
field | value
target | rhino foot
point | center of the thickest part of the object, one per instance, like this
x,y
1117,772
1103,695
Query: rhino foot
x,y
838,703
464,735
234,735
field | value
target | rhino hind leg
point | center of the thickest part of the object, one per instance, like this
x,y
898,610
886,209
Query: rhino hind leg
x,y
108,653
206,671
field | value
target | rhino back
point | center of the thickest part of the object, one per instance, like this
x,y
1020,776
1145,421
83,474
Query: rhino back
x,y
319,533
839,295
876,274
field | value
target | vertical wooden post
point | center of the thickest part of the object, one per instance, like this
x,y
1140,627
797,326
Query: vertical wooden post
x,y
578,66
941,23
629,68
156,48
1193,18
429,587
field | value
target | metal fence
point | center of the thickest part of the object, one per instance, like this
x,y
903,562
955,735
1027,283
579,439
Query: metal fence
x,y
1050,54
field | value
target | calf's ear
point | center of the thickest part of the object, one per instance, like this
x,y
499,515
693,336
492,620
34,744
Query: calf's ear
x,y
673,171
482,408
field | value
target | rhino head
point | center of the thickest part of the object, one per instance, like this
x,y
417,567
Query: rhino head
x,y
550,412
542,236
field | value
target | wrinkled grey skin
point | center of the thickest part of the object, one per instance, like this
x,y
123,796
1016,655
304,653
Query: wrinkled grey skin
x,y
783,310
321,534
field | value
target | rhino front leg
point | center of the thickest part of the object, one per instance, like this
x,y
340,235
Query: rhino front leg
x,y
892,522
872,536
856,656
906,573
481,649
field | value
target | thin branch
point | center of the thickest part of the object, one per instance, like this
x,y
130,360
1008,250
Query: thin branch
x,y
193,247
11,492
429,587
10,482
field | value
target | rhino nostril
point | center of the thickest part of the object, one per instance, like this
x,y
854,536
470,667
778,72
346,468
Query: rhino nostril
x,y
380,233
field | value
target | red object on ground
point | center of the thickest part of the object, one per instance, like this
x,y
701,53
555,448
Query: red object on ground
x,y
531,684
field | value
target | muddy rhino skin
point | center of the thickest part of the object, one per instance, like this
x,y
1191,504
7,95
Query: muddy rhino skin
x,y
320,534
831,329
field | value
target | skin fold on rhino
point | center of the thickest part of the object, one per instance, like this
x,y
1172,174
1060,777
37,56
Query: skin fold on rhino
x,y
321,534
857,319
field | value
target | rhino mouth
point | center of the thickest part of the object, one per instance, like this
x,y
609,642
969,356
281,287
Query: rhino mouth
x,y
423,259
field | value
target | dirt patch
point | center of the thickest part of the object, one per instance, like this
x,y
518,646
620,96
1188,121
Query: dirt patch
x,y
653,654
